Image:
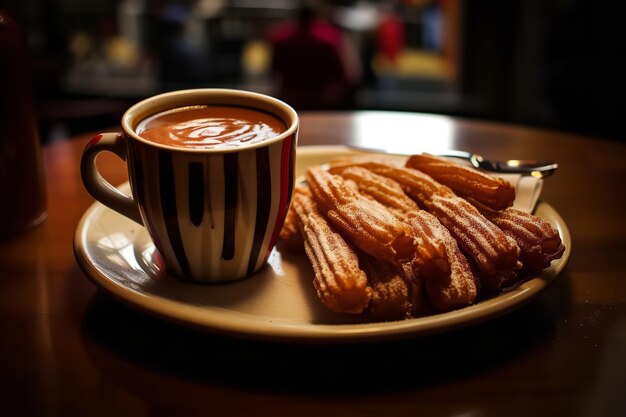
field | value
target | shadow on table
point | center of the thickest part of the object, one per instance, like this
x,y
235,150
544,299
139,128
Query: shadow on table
x,y
117,336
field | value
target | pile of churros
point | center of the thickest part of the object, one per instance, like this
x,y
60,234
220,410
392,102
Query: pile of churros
x,y
398,239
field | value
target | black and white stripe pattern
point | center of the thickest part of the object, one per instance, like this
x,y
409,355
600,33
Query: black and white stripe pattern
x,y
216,216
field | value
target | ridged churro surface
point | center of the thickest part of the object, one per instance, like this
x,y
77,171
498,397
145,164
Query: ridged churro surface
x,y
457,288
340,283
493,252
445,270
382,189
391,241
290,235
466,182
420,185
395,292
538,240
372,229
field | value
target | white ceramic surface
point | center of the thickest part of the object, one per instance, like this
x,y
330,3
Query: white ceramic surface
x,y
278,302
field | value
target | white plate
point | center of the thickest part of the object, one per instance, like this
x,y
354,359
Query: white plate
x,y
279,302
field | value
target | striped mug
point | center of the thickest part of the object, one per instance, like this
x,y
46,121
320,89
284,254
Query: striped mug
x,y
213,213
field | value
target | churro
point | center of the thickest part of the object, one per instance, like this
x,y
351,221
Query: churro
x,y
538,240
290,236
430,257
393,242
466,182
449,279
459,286
396,294
382,189
493,252
372,229
417,184
340,283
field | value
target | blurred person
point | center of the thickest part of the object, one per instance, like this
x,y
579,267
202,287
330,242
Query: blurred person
x,y
313,62
390,34
390,42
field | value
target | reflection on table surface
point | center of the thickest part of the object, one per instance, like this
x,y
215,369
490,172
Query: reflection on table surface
x,y
69,349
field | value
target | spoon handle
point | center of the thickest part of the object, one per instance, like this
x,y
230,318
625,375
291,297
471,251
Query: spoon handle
x,y
534,168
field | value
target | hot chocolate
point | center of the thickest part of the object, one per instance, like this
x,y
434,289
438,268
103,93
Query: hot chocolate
x,y
211,127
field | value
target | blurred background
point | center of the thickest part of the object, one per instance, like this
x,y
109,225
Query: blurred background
x,y
557,64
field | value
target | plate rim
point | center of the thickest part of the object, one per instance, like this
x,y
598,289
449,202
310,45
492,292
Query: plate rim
x,y
240,324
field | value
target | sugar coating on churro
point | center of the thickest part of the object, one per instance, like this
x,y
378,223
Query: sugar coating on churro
x,y
340,283
382,189
459,287
394,294
447,274
538,240
419,185
494,253
431,258
290,235
395,242
467,182
372,229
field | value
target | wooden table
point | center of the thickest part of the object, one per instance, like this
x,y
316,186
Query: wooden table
x,y
68,349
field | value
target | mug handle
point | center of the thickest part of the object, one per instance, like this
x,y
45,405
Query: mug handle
x,y
97,186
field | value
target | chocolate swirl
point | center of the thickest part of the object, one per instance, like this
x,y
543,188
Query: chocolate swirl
x,y
203,128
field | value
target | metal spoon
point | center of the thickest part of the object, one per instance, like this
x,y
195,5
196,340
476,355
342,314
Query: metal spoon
x,y
538,169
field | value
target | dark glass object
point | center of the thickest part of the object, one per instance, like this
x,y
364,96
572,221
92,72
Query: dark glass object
x,y
22,189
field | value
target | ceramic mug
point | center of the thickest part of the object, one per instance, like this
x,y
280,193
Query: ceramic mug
x,y
213,214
